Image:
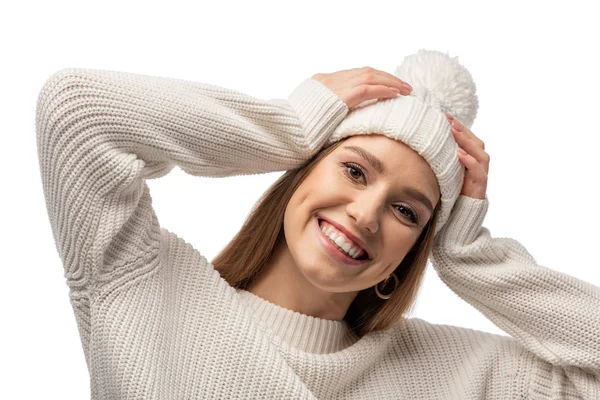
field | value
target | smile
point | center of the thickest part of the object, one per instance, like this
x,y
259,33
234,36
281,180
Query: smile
x,y
333,251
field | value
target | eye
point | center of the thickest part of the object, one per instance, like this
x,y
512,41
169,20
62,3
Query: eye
x,y
356,168
412,215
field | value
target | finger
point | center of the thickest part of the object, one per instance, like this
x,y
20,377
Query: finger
x,y
376,78
468,132
393,78
354,72
369,92
476,173
473,148
345,75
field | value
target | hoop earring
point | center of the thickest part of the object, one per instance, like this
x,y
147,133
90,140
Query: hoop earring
x,y
387,296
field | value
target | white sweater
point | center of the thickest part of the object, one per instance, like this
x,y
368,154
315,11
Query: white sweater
x,y
157,321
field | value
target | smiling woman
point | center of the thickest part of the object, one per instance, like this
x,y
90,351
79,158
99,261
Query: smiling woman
x,y
290,309
277,256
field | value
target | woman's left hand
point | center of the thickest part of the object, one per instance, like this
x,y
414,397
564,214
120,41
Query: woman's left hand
x,y
475,159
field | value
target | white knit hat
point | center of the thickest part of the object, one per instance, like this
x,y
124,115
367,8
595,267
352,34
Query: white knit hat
x,y
440,84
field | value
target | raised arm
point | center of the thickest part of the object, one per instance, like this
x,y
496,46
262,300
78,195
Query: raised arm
x,y
101,133
555,316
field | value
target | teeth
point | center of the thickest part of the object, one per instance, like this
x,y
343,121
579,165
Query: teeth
x,y
342,243
339,240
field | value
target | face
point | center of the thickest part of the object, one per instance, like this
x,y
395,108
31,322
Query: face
x,y
348,191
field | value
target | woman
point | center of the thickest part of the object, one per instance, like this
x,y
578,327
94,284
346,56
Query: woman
x,y
307,301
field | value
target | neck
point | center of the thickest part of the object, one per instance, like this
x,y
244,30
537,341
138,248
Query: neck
x,y
282,283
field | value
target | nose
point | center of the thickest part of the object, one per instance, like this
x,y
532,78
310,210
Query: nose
x,y
365,211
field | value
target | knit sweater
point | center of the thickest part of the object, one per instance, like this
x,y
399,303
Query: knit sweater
x,y
157,321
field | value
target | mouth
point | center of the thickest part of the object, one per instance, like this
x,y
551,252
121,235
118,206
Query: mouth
x,y
334,250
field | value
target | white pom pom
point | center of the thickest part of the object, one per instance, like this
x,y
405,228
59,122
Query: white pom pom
x,y
446,80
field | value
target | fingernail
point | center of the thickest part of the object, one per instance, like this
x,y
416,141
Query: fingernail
x,y
450,117
455,126
462,151
407,86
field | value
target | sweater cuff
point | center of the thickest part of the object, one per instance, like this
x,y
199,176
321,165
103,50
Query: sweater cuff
x,y
320,111
465,222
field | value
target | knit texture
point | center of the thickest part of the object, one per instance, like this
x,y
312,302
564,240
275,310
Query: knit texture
x,y
157,321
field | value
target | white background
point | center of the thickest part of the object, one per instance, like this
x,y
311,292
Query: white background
x,y
535,65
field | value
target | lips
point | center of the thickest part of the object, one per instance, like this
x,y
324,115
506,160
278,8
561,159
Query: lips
x,y
334,251
347,234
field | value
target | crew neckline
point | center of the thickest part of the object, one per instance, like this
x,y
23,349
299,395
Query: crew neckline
x,y
301,331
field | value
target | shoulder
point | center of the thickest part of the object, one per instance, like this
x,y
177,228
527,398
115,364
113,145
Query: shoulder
x,y
418,336
181,256
478,360
450,331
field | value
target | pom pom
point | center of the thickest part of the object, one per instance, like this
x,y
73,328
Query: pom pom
x,y
443,82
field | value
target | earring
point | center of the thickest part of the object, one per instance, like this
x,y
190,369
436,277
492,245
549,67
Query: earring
x,y
387,296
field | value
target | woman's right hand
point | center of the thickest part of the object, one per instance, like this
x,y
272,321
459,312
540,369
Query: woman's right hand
x,y
356,85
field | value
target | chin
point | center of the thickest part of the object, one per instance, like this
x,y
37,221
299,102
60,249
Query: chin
x,y
322,272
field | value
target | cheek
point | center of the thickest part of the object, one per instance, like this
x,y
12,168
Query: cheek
x,y
398,244
318,191
297,211
297,203
331,187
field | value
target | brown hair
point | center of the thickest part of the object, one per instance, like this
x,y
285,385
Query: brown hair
x,y
241,261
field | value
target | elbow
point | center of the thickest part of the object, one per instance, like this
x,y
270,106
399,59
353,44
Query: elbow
x,y
55,98
56,84
51,91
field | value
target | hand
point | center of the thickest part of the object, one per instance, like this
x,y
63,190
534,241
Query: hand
x,y
475,159
356,85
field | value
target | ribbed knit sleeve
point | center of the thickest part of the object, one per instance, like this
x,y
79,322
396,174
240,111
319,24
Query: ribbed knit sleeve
x,y
101,133
555,316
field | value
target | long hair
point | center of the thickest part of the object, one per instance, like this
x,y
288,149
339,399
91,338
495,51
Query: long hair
x,y
242,260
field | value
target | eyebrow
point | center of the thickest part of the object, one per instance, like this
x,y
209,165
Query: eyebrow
x,y
378,165
371,159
